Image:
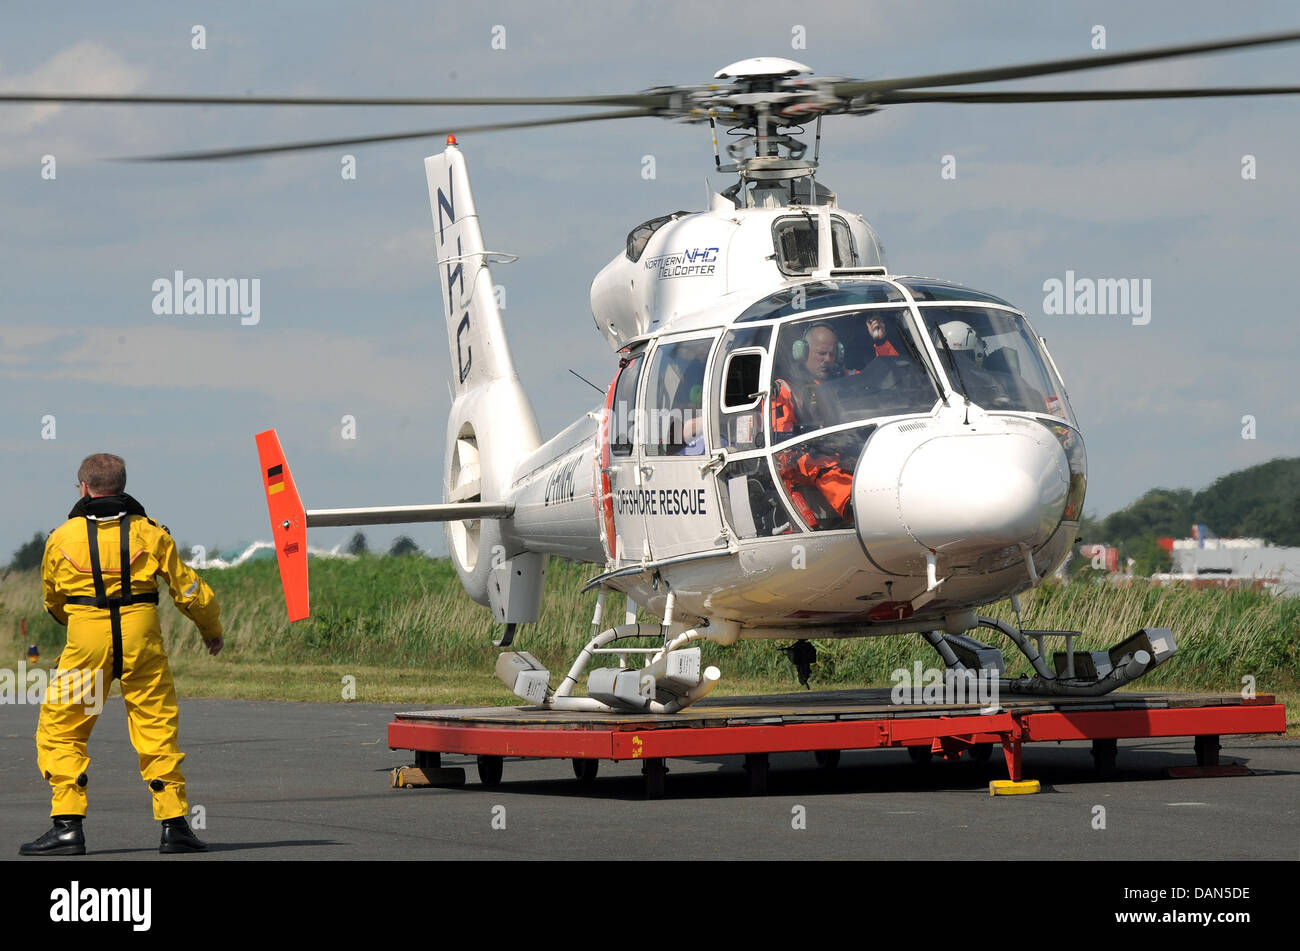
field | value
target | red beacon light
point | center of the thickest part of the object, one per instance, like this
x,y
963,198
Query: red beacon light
x,y
451,140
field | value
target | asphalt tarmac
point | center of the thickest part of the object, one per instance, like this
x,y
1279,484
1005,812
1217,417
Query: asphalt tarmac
x,y
295,781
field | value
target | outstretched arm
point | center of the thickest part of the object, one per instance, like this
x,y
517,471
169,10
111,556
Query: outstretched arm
x,y
191,593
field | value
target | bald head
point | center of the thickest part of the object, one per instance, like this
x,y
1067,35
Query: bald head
x,y
822,352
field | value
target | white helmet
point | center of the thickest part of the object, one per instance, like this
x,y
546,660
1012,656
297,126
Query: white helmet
x,y
961,336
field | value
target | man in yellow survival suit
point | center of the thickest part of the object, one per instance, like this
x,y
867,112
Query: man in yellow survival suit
x,y
98,572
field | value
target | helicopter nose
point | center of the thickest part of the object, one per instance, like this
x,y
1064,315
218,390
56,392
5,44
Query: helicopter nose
x,y
964,493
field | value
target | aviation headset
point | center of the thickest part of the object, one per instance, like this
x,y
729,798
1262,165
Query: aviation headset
x,y
800,348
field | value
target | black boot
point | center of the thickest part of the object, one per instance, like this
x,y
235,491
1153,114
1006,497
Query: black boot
x,y
177,837
66,838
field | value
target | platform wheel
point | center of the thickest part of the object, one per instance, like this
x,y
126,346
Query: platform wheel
x,y
1103,757
1207,750
655,770
489,770
980,752
920,754
756,773
827,759
585,769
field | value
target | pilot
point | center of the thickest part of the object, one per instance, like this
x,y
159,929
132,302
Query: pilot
x,y
819,357
964,343
98,574
996,387
825,354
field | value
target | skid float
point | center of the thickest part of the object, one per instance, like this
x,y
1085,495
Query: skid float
x,y
824,724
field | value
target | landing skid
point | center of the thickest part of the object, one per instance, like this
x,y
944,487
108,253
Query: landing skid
x,y
669,680
1076,673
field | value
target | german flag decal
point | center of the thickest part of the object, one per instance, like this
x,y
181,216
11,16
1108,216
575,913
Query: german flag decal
x,y
275,479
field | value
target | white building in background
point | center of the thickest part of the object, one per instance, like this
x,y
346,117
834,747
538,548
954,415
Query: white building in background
x,y
1244,562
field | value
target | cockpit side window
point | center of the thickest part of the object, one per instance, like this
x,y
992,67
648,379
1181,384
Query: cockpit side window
x,y
738,396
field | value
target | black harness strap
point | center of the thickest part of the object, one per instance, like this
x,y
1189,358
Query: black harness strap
x,y
92,535
125,597
150,598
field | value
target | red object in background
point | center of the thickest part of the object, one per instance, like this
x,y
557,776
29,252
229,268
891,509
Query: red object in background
x,y
1111,555
1166,543
288,524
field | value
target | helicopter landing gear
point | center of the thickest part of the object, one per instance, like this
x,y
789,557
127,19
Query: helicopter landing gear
x,y
803,655
1082,673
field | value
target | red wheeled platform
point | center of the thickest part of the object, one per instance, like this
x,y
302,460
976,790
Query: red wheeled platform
x,y
826,723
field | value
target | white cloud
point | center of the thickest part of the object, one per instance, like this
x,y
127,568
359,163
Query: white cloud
x,y
86,67
283,365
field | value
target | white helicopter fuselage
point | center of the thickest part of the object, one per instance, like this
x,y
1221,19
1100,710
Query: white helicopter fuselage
x,y
681,483
797,443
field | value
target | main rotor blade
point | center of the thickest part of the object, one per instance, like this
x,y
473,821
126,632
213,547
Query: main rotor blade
x,y
641,100
855,88
1089,95
391,137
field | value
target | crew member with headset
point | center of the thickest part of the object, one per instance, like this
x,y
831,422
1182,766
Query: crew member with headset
x,y
98,573
820,356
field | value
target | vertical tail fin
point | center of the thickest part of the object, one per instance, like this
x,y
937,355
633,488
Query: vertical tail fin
x,y
491,426
288,524
475,333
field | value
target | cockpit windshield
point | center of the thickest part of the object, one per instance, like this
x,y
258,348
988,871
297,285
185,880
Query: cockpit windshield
x,y
844,368
992,358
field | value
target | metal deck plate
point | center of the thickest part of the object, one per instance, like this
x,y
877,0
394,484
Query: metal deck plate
x,y
778,709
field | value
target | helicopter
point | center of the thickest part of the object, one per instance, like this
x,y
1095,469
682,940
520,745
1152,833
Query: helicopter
x,y
798,444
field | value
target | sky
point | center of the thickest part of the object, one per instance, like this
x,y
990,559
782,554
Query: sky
x,y
350,319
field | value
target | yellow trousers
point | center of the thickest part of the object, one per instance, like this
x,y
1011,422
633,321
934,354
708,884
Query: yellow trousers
x,y
76,695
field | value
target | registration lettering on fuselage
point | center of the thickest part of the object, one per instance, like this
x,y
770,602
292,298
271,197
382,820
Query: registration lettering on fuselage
x,y
560,485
